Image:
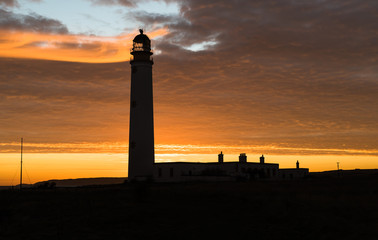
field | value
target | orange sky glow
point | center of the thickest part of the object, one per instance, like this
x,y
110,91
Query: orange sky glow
x,y
41,167
293,80
72,48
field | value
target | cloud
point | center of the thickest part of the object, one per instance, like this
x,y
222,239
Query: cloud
x,y
35,36
66,47
294,29
48,101
126,3
152,19
288,74
32,23
81,102
9,3
285,71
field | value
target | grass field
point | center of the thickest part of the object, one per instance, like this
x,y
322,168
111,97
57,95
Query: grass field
x,y
317,208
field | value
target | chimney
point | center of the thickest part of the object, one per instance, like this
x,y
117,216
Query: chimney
x,y
262,159
297,164
242,158
220,157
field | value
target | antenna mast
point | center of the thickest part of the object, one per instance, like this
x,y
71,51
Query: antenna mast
x,y
22,142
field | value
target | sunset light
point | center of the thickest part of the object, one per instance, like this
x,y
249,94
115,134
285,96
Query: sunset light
x,y
72,48
290,80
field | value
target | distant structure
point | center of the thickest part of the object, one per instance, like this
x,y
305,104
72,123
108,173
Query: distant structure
x,y
220,157
22,144
291,173
225,171
262,159
243,158
141,138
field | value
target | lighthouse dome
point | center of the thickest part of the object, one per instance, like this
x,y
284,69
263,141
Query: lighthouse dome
x,y
141,42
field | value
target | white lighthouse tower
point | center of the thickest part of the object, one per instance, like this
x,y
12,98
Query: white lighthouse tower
x,y
141,138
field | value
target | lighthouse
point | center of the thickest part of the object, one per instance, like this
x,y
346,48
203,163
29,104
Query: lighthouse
x,y
141,134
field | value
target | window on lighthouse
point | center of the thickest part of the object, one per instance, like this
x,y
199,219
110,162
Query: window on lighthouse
x,y
138,47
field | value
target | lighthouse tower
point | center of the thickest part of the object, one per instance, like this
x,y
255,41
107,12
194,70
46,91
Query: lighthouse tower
x,y
141,138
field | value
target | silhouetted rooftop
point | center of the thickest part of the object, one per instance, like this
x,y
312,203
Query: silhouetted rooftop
x,y
141,38
217,163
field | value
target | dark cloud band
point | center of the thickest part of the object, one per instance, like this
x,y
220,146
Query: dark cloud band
x,y
33,23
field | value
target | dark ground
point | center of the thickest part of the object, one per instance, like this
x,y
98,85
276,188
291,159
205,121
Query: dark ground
x,y
321,207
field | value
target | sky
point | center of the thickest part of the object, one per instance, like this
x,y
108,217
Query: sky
x,y
291,79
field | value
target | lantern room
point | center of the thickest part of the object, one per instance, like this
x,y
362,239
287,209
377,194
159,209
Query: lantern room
x,y
141,50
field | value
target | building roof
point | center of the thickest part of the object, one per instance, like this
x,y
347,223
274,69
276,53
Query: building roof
x,y
217,163
141,38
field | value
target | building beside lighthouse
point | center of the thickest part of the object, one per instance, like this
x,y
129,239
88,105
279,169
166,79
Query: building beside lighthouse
x,y
225,171
142,164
